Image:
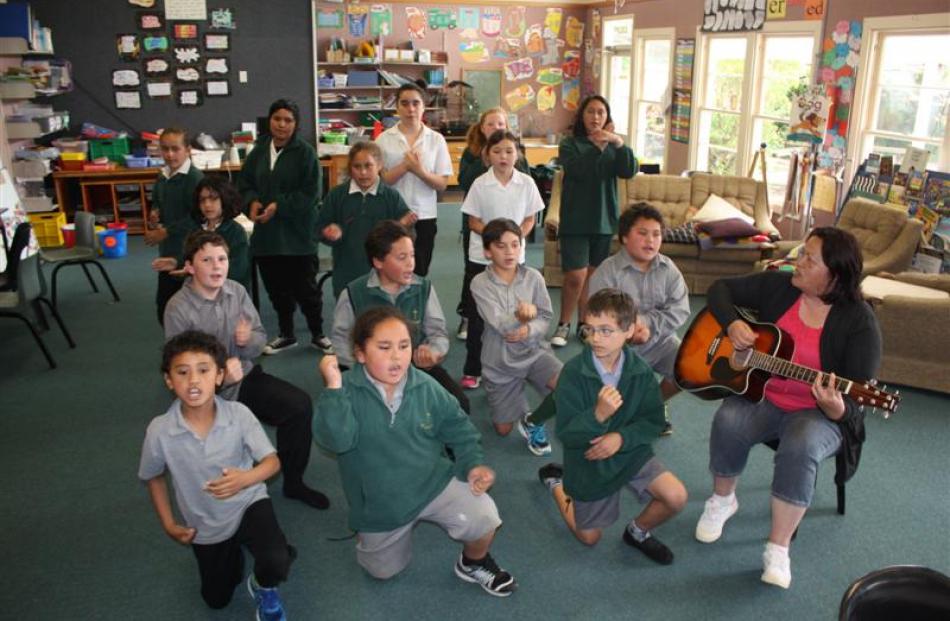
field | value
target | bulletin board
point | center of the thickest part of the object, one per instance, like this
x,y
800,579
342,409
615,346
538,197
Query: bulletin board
x,y
486,84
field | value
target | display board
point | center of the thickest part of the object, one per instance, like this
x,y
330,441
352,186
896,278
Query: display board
x,y
486,84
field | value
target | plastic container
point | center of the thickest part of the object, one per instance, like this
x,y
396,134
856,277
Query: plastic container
x,y
71,145
48,228
334,137
114,240
132,161
113,148
69,235
98,167
72,161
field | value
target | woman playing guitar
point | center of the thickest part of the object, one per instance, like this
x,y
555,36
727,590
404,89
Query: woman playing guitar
x,y
820,305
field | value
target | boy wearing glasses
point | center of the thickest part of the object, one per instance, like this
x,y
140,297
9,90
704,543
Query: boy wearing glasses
x,y
513,301
609,412
657,287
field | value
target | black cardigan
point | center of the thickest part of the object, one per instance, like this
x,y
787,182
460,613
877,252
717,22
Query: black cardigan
x,y
850,344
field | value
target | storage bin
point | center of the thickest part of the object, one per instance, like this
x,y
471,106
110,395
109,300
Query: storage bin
x,y
98,167
334,137
114,240
71,145
113,148
132,161
48,228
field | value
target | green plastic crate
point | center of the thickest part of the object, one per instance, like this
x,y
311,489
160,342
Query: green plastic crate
x,y
113,148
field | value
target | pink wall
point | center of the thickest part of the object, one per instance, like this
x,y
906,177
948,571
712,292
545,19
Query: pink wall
x,y
686,16
532,122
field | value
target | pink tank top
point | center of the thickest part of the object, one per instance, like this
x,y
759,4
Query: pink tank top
x,y
793,395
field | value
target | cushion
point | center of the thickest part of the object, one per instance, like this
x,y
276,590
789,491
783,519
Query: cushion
x,y
730,227
683,234
717,208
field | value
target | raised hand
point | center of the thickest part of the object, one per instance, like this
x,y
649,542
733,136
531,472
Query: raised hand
x,y
242,332
233,373
608,402
330,370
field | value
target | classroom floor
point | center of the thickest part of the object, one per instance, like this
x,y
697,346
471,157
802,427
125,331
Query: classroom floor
x,y
81,540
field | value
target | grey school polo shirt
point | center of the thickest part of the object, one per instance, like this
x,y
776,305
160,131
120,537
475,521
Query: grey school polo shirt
x,y
236,440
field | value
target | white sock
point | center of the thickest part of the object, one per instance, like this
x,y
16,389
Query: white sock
x,y
553,482
776,548
636,532
724,501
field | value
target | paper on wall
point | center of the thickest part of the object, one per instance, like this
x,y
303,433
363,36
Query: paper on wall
x,y
519,69
571,93
572,64
547,98
491,21
519,97
574,31
186,9
357,19
473,51
416,22
159,89
552,52
128,99
380,20
552,23
468,21
533,42
550,76
515,22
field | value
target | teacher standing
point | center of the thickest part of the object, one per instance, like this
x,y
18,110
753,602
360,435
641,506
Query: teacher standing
x,y
280,186
592,158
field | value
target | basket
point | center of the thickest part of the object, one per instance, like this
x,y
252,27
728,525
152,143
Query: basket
x,y
114,240
48,228
334,137
113,148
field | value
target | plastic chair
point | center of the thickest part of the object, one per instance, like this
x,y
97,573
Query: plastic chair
x,y
19,303
84,252
21,237
905,592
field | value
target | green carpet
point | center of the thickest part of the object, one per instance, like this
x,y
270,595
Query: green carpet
x,y
81,540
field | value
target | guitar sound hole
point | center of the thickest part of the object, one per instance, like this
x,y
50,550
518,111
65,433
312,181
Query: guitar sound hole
x,y
740,359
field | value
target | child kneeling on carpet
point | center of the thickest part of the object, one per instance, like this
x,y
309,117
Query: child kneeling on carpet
x,y
387,422
609,412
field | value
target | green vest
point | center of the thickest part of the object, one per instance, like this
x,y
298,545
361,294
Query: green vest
x,y
411,302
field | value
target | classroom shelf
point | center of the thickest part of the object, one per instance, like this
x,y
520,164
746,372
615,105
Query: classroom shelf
x,y
367,88
16,46
402,63
17,90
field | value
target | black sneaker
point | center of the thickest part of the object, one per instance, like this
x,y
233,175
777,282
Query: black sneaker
x,y
549,473
652,547
279,344
323,344
488,575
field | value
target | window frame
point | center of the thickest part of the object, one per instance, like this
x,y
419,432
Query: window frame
x,y
751,84
863,111
640,39
605,55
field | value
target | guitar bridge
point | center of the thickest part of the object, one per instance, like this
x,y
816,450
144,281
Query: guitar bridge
x,y
714,347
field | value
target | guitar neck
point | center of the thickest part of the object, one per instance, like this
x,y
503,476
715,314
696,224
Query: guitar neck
x,y
790,370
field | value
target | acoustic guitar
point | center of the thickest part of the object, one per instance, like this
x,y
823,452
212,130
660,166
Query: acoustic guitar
x,y
708,365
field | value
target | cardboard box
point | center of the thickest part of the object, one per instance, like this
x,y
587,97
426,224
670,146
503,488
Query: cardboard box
x,y
407,56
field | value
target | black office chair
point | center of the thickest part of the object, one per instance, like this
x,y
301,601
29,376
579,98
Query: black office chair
x,y
905,592
18,304
21,237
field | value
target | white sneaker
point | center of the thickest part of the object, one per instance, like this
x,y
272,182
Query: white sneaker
x,y
462,333
776,566
715,514
561,334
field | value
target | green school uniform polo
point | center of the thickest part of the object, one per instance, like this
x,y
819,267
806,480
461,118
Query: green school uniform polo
x,y
589,190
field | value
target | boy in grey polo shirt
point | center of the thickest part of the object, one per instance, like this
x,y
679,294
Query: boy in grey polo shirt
x,y
210,446
655,284
515,305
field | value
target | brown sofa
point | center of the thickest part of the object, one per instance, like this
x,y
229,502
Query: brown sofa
x,y
916,348
678,198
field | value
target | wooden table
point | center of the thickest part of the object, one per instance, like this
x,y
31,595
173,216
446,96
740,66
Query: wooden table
x,y
144,178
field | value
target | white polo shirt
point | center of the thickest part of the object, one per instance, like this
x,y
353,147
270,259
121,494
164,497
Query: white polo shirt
x,y
434,156
489,199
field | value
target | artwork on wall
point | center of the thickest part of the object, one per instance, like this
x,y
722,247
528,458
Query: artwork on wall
x,y
550,76
128,100
572,64
357,19
733,17
682,89
416,22
491,21
547,98
519,97
150,20
187,75
216,42
442,19
188,98
125,77
127,46
380,20
158,43
329,18
839,64
145,4
223,19
185,31
468,22
217,88
156,67
552,52
473,51
186,10
519,69
809,115
574,31
216,65
186,55
158,89
515,22
533,41
570,94
552,23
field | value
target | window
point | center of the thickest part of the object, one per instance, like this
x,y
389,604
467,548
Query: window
x,y
653,61
743,82
905,98
616,74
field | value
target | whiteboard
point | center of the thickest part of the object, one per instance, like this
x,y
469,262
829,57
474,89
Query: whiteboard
x,y
486,85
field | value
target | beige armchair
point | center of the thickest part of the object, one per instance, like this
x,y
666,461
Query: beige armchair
x,y
888,238
915,332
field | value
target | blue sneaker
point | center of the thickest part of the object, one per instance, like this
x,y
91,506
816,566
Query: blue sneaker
x,y
269,606
536,435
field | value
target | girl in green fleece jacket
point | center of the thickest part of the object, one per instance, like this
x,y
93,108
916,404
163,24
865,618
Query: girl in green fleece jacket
x,y
388,422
